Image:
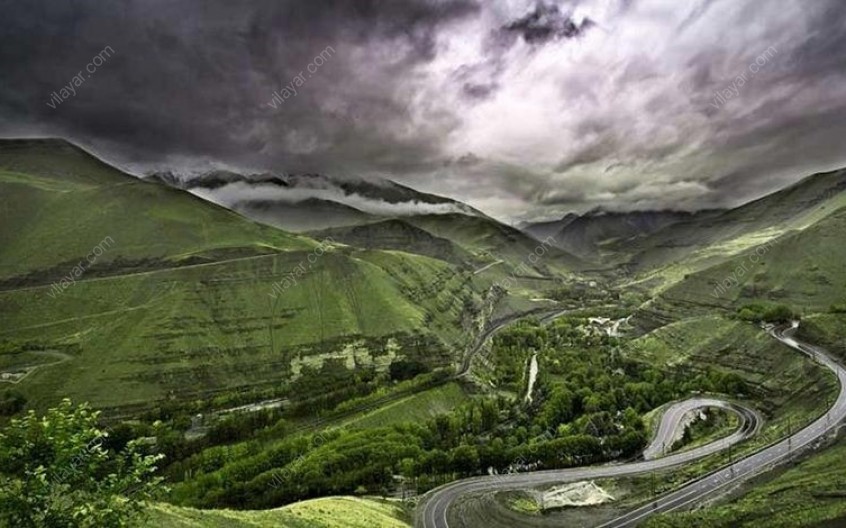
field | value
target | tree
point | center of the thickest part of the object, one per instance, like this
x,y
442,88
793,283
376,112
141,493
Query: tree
x,y
465,459
55,471
11,402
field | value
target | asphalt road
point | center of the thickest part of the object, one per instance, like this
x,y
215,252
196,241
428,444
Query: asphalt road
x,y
673,424
432,510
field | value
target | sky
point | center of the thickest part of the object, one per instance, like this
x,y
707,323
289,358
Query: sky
x,y
526,110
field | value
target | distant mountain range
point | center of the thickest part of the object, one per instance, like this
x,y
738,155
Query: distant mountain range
x,y
585,235
307,202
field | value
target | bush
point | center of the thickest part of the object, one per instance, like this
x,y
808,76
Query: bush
x,y
56,472
756,313
780,314
11,402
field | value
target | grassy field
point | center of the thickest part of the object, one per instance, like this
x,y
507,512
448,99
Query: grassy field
x,y
330,512
416,408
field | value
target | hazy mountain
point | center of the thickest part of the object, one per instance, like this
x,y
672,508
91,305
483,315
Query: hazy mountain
x,y
542,230
303,202
398,234
708,238
308,215
585,235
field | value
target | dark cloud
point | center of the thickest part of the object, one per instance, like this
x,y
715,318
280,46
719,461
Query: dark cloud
x,y
564,105
547,22
195,77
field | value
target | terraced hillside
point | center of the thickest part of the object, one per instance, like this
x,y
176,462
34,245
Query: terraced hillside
x,y
188,300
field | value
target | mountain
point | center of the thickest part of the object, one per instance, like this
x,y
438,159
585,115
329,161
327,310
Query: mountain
x,y
130,294
145,293
542,230
285,200
714,237
587,235
802,268
322,206
68,202
307,215
397,234
490,240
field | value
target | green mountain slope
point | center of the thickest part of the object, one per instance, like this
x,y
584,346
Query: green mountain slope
x,y
399,235
190,301
491,241
706,240
59,203
804,269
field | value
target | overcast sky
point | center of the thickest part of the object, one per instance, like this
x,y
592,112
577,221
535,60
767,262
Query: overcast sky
x,y
522,109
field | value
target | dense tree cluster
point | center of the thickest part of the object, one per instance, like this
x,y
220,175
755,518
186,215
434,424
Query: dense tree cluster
x,y
587,408
758,312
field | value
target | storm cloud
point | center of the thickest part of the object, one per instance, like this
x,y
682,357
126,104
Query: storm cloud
x,y
524,109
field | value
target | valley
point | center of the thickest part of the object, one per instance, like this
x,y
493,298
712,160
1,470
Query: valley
x,y
421,363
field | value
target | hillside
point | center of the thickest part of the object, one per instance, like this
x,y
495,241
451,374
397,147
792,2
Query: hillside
x,y
803,269
488,239
396,234
588,234
700,242
542,230
188,301
68,202
307,215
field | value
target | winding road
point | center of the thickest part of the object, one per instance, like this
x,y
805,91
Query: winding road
x,y
673,424
434,506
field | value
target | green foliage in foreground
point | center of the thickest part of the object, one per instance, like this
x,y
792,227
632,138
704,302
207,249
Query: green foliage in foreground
x,y
56,472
